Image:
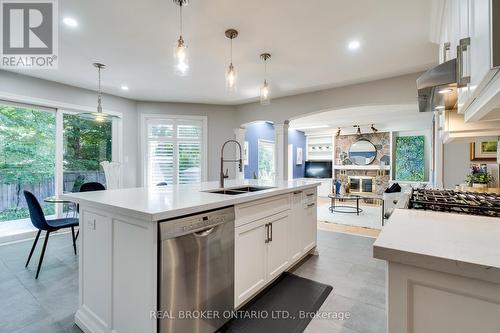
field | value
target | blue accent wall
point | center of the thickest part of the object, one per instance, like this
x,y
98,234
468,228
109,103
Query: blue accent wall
x,y
298,139
255,132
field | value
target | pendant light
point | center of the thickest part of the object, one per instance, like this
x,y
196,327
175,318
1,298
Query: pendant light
x,y
265,98
99,115
180,49
231,72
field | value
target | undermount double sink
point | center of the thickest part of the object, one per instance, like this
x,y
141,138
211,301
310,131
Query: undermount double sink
x,y
240,190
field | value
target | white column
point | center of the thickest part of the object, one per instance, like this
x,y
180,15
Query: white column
x,y
281,152
239,135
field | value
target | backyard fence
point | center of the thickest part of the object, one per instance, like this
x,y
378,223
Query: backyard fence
x,y
46,188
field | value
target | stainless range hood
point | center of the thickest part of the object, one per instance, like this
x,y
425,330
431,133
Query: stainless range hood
x,y
437,88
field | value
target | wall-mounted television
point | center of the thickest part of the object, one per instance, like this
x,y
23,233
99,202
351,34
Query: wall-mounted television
x,y
318,169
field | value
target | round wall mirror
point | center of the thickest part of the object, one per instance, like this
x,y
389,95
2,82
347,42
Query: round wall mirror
x,y
362,152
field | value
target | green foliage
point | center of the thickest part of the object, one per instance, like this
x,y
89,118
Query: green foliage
x,y
266,157
28,149
480,178
23,213
86,143
410,158
27,145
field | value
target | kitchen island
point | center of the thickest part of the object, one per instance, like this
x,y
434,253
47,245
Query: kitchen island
x,y
119,244
443,272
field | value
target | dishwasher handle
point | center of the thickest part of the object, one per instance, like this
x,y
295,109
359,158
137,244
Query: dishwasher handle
x,y
205,232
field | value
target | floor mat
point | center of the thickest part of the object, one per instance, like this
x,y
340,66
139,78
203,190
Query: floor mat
x,y
287,306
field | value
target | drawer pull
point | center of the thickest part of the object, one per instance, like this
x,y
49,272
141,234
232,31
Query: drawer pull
x,y
309,194
311,204
271,227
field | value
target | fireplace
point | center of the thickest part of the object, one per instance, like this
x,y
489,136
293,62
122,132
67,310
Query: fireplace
x,y
360,184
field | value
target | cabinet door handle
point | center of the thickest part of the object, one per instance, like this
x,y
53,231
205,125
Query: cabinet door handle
x,y
311,204
462,46
297,192
446,48
271,228
309,194
267,234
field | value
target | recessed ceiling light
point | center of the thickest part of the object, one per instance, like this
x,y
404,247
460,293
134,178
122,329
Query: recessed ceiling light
x,y
445,91
124,87
70,22
353,45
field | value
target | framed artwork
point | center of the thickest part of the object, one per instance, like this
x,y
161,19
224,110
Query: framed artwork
x,y
410,158
245,153
483,150
299,156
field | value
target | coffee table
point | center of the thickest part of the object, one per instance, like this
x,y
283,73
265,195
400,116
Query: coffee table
x,y
344,208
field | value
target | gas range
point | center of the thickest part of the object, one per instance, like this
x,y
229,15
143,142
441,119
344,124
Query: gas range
x,y
485,204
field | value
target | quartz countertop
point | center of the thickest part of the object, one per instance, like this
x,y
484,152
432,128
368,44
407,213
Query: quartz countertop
x,y
165,202
458,244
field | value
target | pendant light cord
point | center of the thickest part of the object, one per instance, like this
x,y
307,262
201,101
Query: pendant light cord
x,y
231,51
99,95
180,17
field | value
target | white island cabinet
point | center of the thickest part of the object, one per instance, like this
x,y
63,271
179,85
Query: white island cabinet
x,y
119,241
443,272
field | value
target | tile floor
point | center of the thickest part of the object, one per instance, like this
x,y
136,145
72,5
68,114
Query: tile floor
x,y
48,304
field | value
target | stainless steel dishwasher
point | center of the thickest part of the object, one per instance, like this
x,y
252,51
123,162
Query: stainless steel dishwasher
x,y
196,271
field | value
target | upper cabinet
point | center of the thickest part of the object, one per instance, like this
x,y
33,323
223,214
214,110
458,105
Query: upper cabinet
x,y
470,32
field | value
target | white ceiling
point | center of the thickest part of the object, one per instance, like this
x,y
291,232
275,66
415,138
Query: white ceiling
x,y
307,39
385,118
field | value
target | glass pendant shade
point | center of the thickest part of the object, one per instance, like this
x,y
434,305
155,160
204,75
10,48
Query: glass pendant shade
x,y
98,116
231,72
265,94
265,91
181,61
231,78
181,57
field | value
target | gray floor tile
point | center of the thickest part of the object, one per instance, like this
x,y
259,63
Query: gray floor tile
x,y
49,303
47,325
363,318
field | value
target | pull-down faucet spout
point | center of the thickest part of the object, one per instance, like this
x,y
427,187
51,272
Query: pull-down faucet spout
x,y
222,161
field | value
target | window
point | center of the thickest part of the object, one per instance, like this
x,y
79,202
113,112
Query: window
x,y
175,150
86,144
266,159
27,159
47,151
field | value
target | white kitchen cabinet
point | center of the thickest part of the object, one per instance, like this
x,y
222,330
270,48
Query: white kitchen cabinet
x,y
309,223
277,247
480,46
250,251
295,230
471,29
267,246
261,254
463,30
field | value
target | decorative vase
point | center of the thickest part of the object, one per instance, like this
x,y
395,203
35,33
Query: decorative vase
x,y
112,174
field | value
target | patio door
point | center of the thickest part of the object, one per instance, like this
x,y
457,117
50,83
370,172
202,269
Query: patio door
x,y
27,160
47,152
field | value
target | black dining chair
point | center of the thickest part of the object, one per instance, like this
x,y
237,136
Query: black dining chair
x,y
92,186
38,219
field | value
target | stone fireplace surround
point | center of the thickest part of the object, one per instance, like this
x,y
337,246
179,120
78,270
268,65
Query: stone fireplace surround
x,y
380,177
